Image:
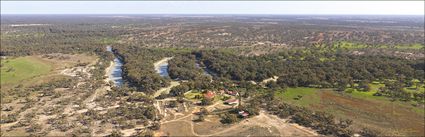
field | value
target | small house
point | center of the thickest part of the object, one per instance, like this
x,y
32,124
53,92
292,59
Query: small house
x,y
243,114
233,93
231,101
209,95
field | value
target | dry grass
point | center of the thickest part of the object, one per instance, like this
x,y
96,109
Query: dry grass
x,y
392,118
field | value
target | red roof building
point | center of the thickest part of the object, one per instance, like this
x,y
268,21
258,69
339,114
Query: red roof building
x,y
209,95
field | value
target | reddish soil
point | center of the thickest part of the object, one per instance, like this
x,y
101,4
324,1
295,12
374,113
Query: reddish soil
x,y
389,117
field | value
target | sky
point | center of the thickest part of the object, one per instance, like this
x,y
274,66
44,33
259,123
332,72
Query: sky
x,y
214,7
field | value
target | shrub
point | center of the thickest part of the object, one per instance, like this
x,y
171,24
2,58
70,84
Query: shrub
x,y
228,118
365,132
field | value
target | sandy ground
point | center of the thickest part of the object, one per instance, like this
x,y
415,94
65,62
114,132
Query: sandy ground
x,y
173,83
160,62
274,78
166,90
262,125
109,72
43,104
74,71
274,125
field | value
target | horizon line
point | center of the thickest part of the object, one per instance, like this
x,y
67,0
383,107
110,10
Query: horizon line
x,y
204,14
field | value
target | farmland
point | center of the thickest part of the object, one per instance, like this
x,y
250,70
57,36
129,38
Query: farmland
x,y
23,68
369,111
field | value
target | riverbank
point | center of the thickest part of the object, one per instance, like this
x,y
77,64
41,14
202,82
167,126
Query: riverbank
x,y
114,71
109,71
161,66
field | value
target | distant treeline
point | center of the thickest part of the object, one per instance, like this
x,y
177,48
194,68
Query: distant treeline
x,y
32,34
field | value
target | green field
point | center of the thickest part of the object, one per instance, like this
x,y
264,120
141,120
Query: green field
x,y
14,71
367,95
309,96
350,45
191,95
374,87
414,46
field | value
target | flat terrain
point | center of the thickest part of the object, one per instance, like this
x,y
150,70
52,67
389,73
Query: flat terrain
x,y
53,80
391,118
15,70
180,123
33,70
56,82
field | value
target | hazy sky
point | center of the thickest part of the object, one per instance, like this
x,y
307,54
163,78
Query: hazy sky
x,y
213,7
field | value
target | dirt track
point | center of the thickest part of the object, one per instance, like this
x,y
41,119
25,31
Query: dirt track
x,y
274,125
160,62
172,83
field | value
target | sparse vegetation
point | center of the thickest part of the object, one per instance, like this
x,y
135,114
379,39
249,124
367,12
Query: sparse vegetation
x,y
335,76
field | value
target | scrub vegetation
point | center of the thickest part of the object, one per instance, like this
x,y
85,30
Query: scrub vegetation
x,y
227,75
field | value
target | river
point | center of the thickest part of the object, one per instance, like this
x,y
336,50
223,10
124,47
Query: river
x,y
163,70
115,70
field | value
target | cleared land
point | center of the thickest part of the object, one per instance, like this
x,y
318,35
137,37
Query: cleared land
x,y
180,122
33,70
391,118
15,70
28,110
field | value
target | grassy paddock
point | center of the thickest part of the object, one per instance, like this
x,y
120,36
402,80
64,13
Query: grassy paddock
x,y
379,113
14,71
191,94
350,45
413,46
309,96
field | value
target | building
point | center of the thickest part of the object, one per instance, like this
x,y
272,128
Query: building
x,y
231,101
233,93
243,114
209,95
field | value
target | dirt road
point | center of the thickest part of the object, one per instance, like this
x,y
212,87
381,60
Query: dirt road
x,y
262,120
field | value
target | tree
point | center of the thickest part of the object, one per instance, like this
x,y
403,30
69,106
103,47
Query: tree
x,y
341,88
172,104
115,133
206,101
204,111
272,84
179,90
228,118
200,118
155,126
365,132
34,127
143,133
364,86
342,85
